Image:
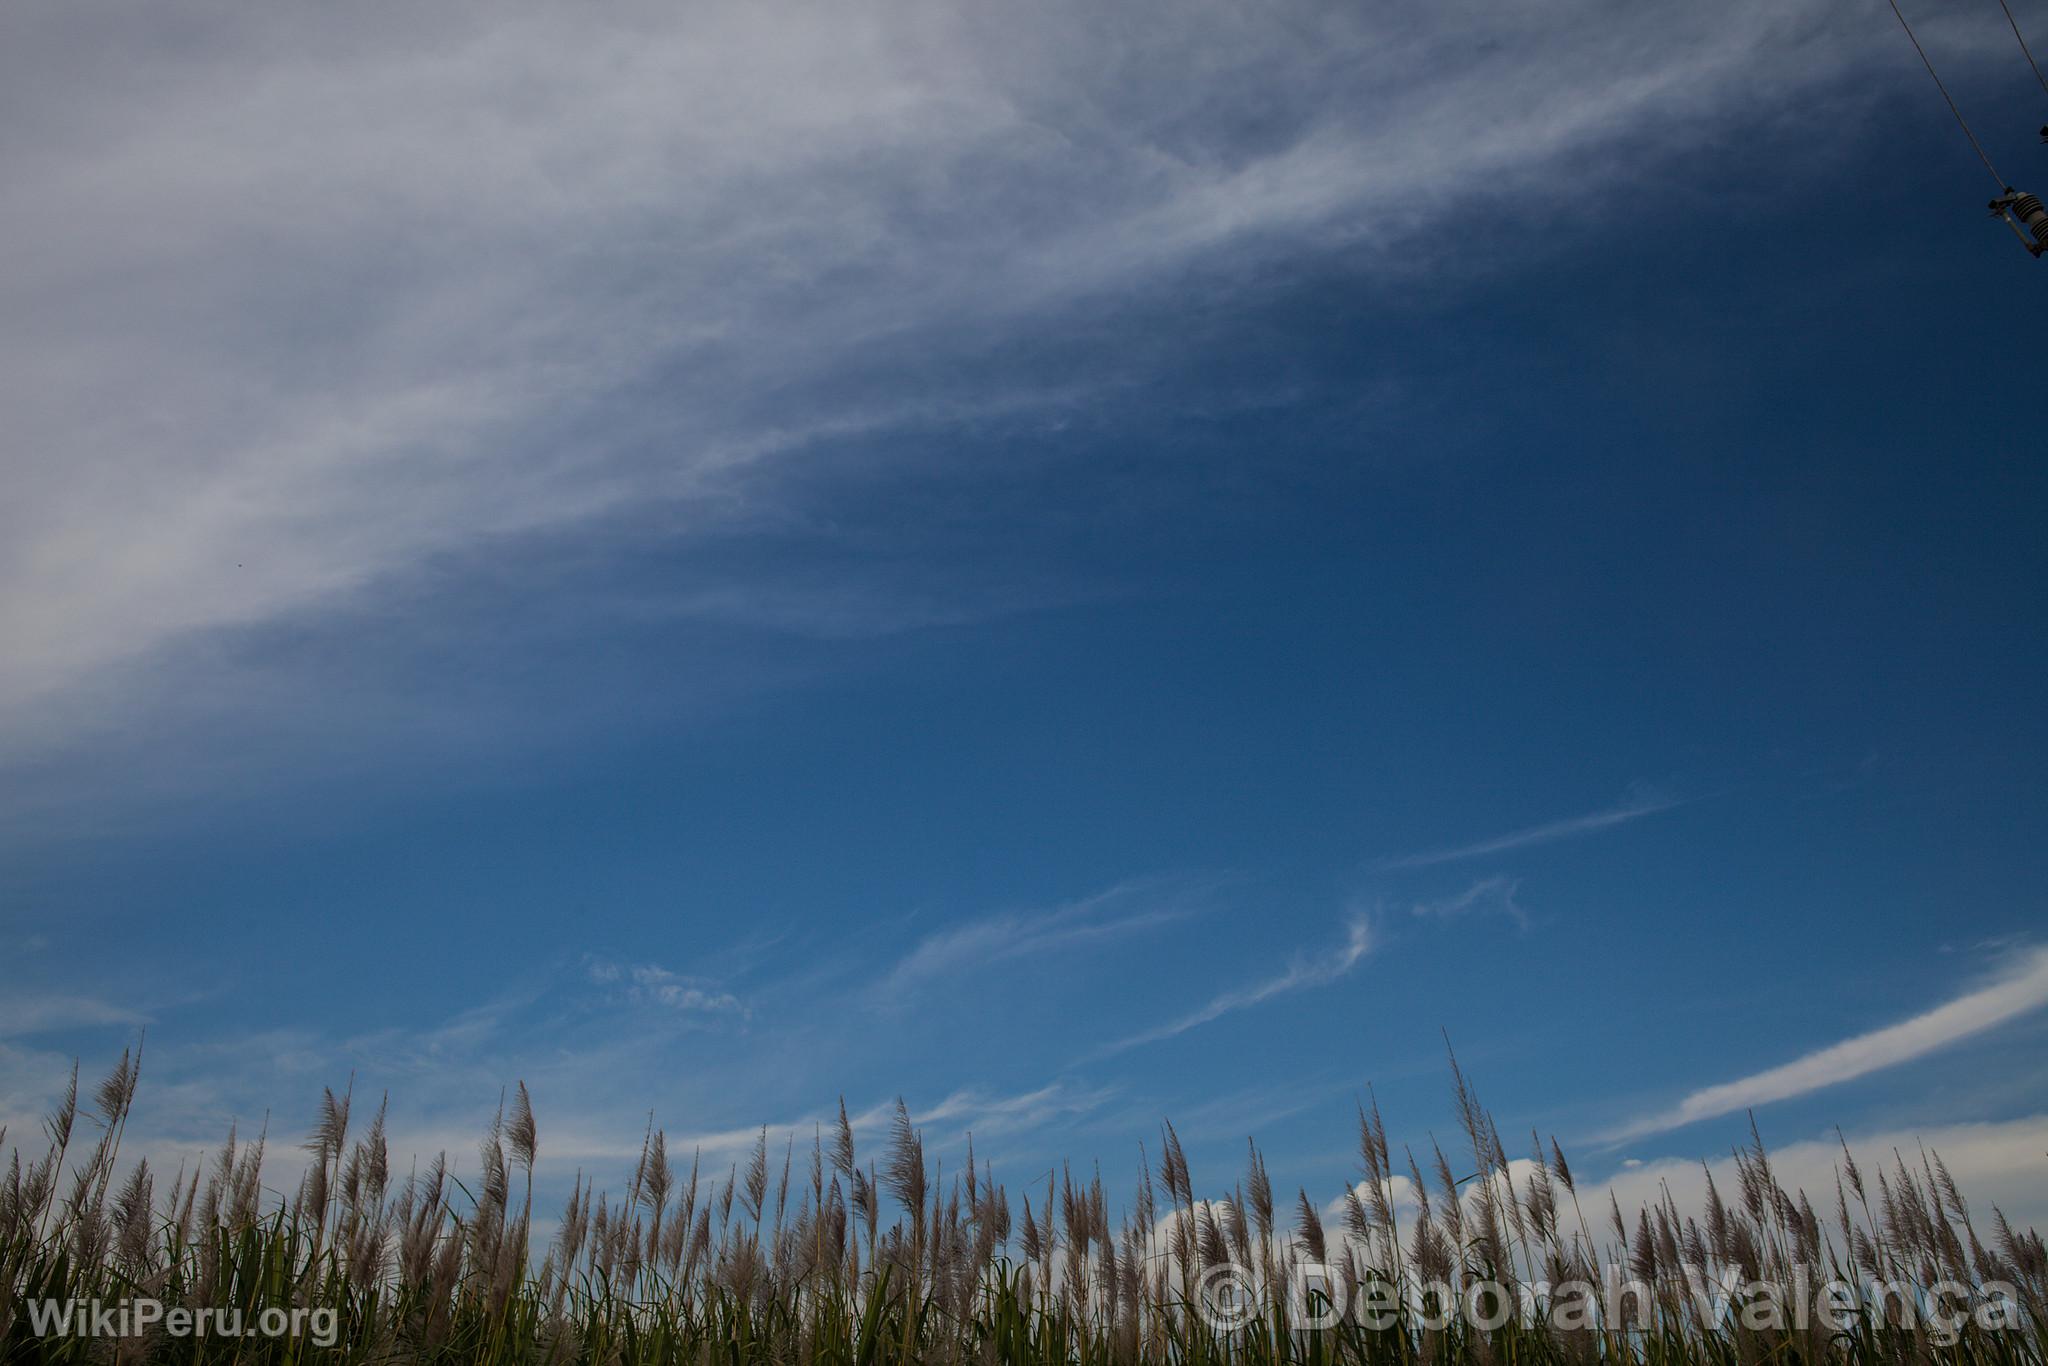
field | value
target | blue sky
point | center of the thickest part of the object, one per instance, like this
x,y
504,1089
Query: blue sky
x,y
1073,566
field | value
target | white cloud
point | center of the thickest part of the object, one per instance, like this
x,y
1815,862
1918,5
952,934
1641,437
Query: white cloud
x,y
1995,1164
1402,1198
2020,990
962,950
1547,833
652,984
986,1114
303,301
1304,974
27,1013
1487,894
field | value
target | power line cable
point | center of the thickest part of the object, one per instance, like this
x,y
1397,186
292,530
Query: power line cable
x,y
1961,122
2023,44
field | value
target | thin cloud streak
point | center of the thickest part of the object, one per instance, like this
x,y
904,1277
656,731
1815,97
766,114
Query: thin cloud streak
x,y
1487,894
958,1113
1300,977
2020,991
25,1014
1010,936
1548,833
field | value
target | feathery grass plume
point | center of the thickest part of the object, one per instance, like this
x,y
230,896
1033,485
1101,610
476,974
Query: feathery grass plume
x,y
755,1190
1308,1225
1237,1230
1357,1222
181,1216
1184,1238
1488,1245
1030,1240
1173,1169
1379,1193
81,1221
328,1141
1258,1190
1560,1168
656,1177
724,1202
904,1173
117,1090
1049,1236
1211,1244
246,1185
686,1207
1539,1198
842,1145
86,1210
40,1189
366,1219
521,1133
1419,1188
133,1209
1472,1116
647,1139
1434,1256
1447,1187
904,1176
1145,1201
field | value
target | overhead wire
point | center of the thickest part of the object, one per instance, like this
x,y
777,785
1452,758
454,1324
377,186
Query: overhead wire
x,y
2023,44
1961,122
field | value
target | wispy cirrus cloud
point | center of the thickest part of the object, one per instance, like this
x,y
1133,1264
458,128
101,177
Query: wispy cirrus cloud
x,y
24,1013
2020,990
1488,895
556,268
1304,974
1128,908
1550,832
